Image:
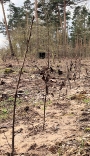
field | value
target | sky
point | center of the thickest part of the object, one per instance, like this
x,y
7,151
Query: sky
x,y
20,3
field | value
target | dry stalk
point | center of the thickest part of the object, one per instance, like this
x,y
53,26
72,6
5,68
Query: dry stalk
x,y
86,71
44,111
20,73
68,76
46,80
79,67
62,84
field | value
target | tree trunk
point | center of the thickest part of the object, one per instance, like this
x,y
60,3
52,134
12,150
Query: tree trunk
x,y
8,34
65,27
37,34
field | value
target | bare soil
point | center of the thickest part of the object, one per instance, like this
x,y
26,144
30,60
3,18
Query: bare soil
x,y
67,122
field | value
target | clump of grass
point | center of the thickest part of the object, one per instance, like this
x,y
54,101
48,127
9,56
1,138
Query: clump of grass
x,y
8,71
3,117
10,99
78,97
3,113
87,129
7,107
86,100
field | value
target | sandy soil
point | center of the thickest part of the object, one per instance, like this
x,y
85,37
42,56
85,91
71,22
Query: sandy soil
x,y
67,122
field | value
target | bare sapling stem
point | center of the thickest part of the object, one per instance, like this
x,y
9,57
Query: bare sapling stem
x,y
45,79
15,99
44,108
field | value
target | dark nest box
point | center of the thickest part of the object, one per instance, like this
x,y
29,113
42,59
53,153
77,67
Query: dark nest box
x,y
42,55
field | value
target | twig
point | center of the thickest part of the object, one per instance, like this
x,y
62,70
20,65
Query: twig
x,y
7,140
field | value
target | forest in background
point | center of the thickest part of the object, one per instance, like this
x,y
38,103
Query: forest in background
x,y
61,28
45,103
